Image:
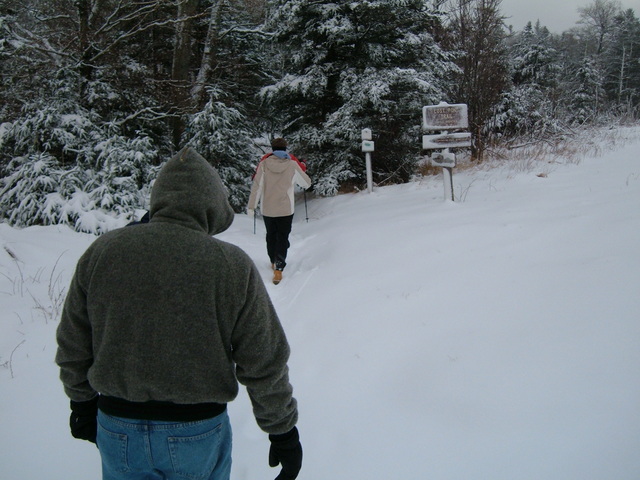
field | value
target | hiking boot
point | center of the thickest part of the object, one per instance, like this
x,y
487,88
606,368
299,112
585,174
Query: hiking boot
x,y
277,277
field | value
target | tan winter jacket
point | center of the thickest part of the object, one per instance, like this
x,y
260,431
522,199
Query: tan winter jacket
x,y
273,186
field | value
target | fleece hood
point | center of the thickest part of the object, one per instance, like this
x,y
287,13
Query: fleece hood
x,y
189,192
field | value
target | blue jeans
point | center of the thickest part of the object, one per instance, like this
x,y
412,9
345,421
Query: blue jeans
x,y
155,450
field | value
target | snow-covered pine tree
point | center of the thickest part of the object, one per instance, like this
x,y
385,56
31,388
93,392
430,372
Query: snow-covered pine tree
x,y
587,93
225,105
534,58
345,66
220,133
531,105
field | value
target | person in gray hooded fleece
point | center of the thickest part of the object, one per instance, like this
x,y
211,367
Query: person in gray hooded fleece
x,y
160,323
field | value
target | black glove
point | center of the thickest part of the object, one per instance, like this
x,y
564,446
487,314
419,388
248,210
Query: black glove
x,y
84,419
287,451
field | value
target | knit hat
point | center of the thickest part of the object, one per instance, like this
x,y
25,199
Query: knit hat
x,y
279,144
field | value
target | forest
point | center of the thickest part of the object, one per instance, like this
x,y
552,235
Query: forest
x,y
97,94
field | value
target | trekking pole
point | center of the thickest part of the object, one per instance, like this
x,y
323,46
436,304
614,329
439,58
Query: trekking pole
x,y
254,222
304,191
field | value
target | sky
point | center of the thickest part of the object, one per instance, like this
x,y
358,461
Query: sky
x,y
557,15
491,338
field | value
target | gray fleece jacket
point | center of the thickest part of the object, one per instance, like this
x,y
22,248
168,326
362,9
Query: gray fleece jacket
x,y
164,312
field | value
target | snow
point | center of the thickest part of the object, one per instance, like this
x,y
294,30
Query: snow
x,y
495,337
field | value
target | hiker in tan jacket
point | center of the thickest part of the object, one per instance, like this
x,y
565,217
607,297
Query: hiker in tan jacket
x,y
273,187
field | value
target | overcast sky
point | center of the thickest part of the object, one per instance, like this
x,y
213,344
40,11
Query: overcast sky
x,y
556,15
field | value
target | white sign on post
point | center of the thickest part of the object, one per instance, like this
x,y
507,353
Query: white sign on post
x,y
368,146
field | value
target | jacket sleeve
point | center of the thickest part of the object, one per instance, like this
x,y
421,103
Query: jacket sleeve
x,y
257,188
75,352
261,352
300,178
303,166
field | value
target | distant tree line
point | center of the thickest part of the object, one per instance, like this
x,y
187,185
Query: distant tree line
x,y
96,94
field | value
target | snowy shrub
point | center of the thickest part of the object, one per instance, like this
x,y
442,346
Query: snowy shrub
x,y
334,175
25,193
67,165
47,129
125,170
40,192
103,190
526,110
54,122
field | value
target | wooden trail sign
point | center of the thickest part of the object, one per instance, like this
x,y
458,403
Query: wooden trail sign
x,y
445,117
446,140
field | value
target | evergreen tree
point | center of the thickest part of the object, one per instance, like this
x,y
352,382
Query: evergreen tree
x,y
531,105
124,174
587,93
345,66
219,133
521,112
534,58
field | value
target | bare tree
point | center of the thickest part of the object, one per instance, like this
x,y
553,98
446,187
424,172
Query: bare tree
x,y
208,53
599,17
181,65
476,31
218,30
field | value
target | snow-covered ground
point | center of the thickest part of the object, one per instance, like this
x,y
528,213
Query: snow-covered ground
x,y
494,338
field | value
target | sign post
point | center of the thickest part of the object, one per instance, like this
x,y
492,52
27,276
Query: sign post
x,y
368,146
442,118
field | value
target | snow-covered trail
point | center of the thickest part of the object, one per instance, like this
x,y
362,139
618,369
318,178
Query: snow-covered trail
x,y
491,338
